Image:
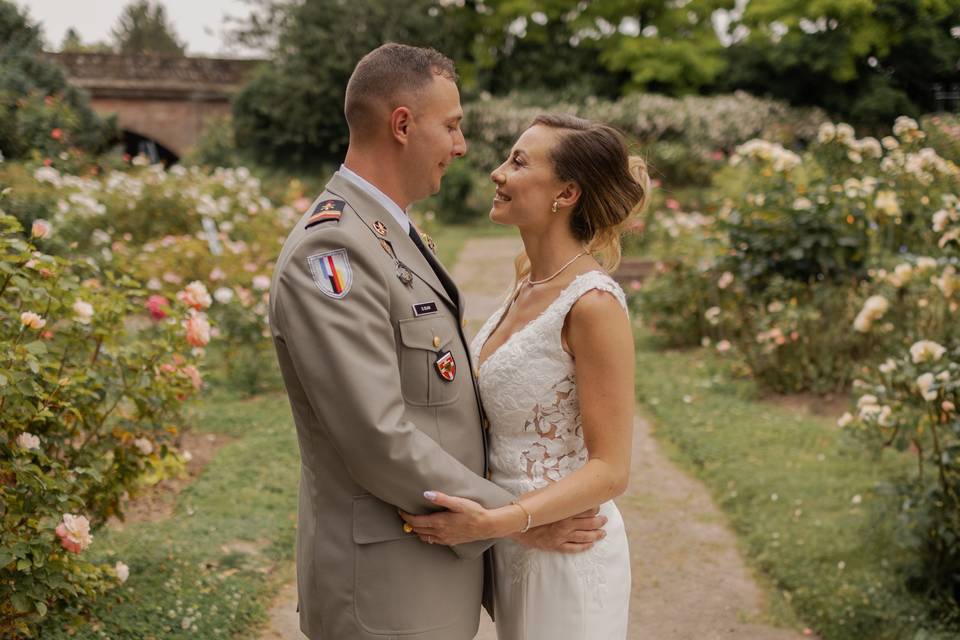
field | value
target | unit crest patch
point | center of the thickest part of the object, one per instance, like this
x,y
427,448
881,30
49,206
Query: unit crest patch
x,y
331,273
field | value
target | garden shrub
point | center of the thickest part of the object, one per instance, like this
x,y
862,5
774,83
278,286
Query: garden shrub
x,y
91,393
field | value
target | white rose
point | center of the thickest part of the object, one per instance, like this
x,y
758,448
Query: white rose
x,y
889,366
83,311
261,283
826,133
713,315
926,350
866,399
28,441
144,445
726,279
845,419
925,263
924,383
223,295
122,571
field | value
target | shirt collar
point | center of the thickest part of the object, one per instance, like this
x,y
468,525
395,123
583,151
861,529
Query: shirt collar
x,y
399,214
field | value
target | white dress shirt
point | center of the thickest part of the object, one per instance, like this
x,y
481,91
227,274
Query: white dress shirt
x,y
379,196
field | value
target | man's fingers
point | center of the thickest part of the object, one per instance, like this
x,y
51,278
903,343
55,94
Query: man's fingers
x,y
574,547
583,537
419,521
590,524
589,513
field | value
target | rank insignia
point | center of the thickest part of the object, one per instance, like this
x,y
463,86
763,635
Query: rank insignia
x,y
427,240
446,366
331,273
380,228
326,211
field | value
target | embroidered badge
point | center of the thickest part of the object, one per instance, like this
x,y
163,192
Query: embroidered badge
x,y
380,228
424,308
326,211
331,273
446,366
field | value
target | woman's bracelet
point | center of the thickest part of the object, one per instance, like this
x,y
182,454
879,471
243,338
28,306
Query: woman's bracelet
x,y
526,513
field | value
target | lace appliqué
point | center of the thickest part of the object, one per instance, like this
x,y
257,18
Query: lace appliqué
x,y
559,446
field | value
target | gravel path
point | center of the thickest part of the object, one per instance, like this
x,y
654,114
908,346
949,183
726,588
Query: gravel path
x,y
689,579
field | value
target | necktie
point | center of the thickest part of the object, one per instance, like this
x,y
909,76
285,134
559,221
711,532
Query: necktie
x,y
441,274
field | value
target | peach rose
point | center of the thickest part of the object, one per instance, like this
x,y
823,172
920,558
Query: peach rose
x,y
198,330
74,533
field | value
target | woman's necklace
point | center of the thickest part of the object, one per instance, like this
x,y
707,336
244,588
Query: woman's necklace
x,y
531,283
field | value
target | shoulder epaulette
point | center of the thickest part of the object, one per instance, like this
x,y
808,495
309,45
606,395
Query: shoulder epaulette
x,y
326,211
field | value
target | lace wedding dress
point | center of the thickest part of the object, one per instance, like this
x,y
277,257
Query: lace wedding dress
x,y
529,392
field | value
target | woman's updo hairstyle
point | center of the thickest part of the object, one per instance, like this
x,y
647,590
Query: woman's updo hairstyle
x,y
614,186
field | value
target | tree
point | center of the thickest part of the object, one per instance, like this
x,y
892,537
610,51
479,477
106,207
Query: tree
x,y
73,43
291,111
36,100
866,60
143,28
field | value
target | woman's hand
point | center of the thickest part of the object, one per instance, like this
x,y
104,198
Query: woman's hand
x,y
463,521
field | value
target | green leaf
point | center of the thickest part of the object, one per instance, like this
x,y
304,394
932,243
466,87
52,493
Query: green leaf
x,y
5,558
21,603
41,607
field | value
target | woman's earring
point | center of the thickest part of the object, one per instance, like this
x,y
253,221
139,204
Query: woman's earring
x,y
556,207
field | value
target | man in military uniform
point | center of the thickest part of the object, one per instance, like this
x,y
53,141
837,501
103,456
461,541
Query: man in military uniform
x,y
368,330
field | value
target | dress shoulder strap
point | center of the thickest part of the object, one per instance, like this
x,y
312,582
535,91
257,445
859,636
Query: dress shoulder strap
x,y
588,282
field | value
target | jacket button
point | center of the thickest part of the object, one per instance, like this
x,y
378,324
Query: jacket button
x,y
436,341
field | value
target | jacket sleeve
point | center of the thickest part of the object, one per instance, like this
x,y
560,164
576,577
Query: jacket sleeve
x,y
345,353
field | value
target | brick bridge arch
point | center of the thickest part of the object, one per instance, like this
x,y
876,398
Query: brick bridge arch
x,y
166,99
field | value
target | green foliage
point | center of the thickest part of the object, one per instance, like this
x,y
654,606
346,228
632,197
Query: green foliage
x,y
868,60
41,115
211,569
800,499
143,28
90,392
290,113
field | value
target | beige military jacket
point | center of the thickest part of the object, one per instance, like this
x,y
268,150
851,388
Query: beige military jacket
x,y
381,388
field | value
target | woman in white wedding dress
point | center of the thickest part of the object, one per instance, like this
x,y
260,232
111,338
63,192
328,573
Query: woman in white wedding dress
x,y
555,369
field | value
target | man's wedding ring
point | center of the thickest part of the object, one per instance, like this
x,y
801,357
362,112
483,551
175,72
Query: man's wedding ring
x,y
407,527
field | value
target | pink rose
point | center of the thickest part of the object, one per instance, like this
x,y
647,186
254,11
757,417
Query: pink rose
x,y
74,533
41,229
198,330
157,306
194,375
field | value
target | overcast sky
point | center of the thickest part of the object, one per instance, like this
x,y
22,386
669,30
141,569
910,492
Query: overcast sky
x,y
199,23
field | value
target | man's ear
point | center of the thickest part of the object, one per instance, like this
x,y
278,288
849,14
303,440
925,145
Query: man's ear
x,y
401,121
569,196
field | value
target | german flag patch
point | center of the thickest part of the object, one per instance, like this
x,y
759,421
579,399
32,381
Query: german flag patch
x,y
325,211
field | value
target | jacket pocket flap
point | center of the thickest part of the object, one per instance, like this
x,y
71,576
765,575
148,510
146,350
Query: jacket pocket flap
x,y
432,334
376,521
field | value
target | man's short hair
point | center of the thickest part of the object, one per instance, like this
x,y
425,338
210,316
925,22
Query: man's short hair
x,y
385,77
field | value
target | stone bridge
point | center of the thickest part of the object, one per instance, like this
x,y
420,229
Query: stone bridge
x,y
161,99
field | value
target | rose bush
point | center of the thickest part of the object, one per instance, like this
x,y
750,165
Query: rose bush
x,y
91,393
801,236
908,402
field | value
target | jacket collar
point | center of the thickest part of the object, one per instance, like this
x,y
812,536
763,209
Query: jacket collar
x,y
370,211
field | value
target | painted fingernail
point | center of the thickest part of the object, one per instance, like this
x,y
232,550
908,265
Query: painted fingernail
x,y
603,520
430,495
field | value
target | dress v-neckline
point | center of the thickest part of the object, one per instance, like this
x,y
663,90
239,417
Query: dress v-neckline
x,y
506,309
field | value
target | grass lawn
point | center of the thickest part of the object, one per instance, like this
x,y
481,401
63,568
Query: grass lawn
x,y
210,570
800,497
451,238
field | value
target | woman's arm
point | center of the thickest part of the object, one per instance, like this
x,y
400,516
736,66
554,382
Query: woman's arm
x,y
599,336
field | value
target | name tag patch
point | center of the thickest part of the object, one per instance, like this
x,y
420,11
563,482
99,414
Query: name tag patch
x,y
424,308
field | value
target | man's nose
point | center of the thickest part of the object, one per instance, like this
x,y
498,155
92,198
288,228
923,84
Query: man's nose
x,y
460,146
